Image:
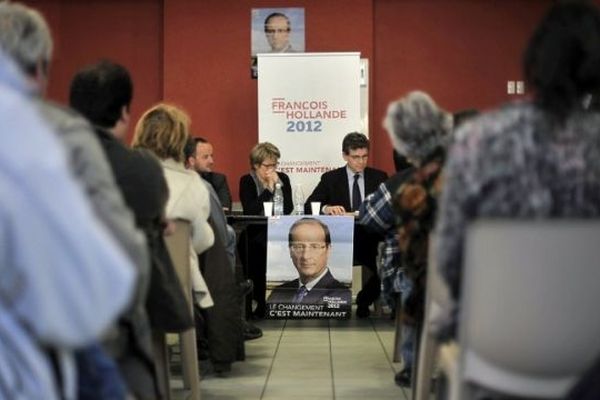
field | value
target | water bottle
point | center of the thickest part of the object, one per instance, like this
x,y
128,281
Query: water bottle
x,y
278,200
298,200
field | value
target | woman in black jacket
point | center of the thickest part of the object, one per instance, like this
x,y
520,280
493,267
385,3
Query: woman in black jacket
x,y
256,188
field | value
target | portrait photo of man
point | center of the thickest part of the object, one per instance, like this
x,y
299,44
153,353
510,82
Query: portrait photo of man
x,y
309,245
276,30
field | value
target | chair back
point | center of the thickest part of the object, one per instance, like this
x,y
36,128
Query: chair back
x,y
529,323
178,244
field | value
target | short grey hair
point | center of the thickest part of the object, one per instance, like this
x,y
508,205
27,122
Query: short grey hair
x,y
25,36
417,126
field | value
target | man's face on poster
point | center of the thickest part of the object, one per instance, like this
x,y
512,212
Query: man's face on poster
x,y
277,29
308,250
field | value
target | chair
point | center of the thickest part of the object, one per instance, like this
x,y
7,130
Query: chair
x,y
178,245
529,323
436,295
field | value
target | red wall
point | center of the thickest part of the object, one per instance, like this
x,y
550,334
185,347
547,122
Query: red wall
x,y
462,52
196,54
126,31
207,65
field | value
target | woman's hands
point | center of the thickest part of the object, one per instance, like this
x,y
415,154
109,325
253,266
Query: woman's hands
x,y
270,179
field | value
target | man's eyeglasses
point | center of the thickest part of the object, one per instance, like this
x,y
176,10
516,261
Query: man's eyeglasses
x,y
359,158
300,247
270,166
269,31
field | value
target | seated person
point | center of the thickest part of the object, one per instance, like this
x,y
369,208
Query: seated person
x,y
202,162
255,188
419,130
343,190
164,129
537,159
310,245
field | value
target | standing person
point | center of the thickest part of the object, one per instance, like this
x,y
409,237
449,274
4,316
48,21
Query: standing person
x,y
343,190
537,159
103,93
277,31
164,129
419,130
202,162
309,243
255,188
65,280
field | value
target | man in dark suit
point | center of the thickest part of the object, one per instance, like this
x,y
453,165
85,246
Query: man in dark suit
x,y
203,162
310,244
341,191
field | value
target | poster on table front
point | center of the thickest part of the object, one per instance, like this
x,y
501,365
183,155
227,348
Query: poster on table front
x,y
309,267
307,103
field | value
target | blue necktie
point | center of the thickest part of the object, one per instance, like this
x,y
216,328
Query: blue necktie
x,y
300,294
356,198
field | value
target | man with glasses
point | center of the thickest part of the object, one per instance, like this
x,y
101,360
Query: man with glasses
x,y
310,244
277,30
342,191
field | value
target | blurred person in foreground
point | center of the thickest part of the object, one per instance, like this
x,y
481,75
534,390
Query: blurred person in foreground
x,y
103,93
63,283
536,159
25,37
403,208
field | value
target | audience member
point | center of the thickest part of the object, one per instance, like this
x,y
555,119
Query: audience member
x,y
65,280
202,161
219,338
343,190
255,188
228,235
534,159
164,129
25,37
102,93
419,131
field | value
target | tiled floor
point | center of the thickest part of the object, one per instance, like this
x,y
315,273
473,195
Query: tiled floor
x,y
311,359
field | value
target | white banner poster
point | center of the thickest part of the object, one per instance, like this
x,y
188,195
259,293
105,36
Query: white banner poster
x,y
307,103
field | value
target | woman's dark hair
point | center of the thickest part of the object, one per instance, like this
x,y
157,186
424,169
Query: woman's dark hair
x,y
562,60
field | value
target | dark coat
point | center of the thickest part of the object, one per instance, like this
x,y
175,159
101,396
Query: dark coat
x,y
333,187
333,190
219,183
252,202
328,286
140,178
224,320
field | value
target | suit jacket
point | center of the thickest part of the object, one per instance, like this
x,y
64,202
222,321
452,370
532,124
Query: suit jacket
x,y
219,183
333,187
327,286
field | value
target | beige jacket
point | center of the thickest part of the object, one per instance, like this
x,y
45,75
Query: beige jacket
x,y
189,200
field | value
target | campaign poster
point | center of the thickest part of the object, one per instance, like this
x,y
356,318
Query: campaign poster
x,y
275,30
307,103
309,267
